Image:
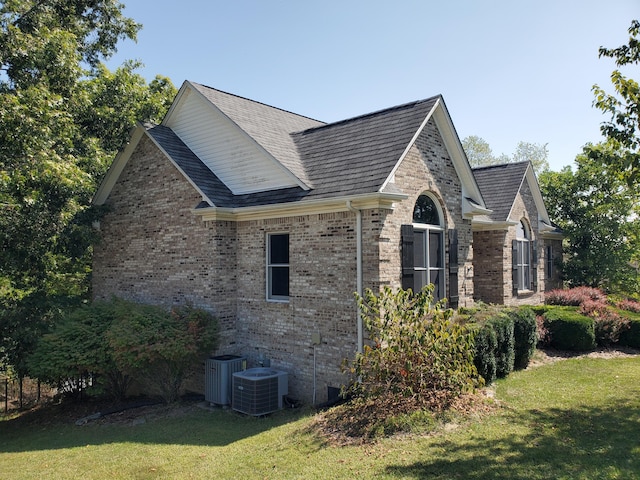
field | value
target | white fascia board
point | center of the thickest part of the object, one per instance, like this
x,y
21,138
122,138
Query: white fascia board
x,y
478,225
327,205
248,137
112,175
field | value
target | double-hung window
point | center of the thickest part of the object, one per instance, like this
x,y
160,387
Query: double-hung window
x,y
278,267
523,257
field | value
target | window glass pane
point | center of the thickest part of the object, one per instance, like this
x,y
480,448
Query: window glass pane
x,y
279,249
419,280
436,279
419,257
279,281
425,211
435,249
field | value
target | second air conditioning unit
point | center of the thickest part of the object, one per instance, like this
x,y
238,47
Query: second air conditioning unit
x,y
258,391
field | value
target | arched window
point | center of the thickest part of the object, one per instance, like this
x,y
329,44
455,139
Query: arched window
x,y
522,262
428,246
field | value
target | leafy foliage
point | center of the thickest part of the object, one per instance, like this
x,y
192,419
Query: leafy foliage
x,y
570,330
417,353
598,214
624,109
63,117
525,336
574,296
479,154
114,342
158,346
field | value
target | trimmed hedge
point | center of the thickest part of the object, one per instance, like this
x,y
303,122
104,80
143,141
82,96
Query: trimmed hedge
x,y
505,353
631,336
525,336
569,330
486,345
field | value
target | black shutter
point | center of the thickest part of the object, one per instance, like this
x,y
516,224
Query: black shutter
x,y
534,266
406,232
453,268
514,258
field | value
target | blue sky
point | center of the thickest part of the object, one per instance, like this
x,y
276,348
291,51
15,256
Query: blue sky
x,y
509,70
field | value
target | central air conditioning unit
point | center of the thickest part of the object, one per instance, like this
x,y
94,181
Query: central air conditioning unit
x,y
258,391
217,379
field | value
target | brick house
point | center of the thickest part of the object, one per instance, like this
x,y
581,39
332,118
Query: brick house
x,y
272,220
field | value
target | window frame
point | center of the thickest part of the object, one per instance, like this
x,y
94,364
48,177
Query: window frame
x,y
271,266
427,229
523,265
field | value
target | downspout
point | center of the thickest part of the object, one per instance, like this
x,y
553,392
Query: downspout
x,y
359,288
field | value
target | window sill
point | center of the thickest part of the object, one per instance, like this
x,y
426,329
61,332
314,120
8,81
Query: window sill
x,y
277,300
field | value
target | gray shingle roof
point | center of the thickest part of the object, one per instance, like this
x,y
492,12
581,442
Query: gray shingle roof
x,y
349,157
269,126
499,185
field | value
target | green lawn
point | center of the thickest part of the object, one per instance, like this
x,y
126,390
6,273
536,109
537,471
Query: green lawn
x,y
575,419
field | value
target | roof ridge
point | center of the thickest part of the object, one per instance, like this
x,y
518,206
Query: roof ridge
x,y
372,114
257,102
506,164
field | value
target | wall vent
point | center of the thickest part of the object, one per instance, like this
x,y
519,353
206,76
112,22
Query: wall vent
x,y
218,381
258,391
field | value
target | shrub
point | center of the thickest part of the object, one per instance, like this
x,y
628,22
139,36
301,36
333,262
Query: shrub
x,y
574,296
160,346
631,336
75,354
416,353
570,330
607,323
486,345
628,305
505,353
524,335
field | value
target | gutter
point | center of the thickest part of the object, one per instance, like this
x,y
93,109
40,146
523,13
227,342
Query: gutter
x,y
359,287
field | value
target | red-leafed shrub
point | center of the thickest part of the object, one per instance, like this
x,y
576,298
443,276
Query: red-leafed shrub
x,y
608,324
629,305
574,296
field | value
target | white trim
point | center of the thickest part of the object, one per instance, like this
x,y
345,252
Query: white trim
x,y
116,168
303,207
269,265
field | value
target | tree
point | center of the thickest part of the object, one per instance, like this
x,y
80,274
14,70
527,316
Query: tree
x,y
479,154
623,129
62,119
599,215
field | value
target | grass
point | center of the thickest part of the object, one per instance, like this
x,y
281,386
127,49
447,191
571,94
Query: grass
x,y
574,419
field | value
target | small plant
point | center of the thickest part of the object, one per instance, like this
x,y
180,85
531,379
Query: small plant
x,y
415,351
628,305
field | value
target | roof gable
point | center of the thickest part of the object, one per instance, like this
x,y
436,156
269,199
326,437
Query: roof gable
x,y
500,184
251,149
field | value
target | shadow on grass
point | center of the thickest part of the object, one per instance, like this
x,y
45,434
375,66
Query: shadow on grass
x,y
585,443
184,425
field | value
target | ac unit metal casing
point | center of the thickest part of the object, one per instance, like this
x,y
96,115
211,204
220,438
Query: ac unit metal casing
x,y
217,380
258,391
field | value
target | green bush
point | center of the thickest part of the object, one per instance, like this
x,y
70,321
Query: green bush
x,y
160,346
503,326
110,343
416,352
569,330
486,345
631,336
75,354
525,336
